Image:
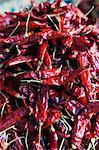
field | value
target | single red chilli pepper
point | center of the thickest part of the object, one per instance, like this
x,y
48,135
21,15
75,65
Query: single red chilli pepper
x,y
73,106
86,81
33,24
53,116
11,91
19,59
78,131
93,56
42,50
61,24
85,76
41,106
47,60
40,111
88,128
12,118
82,97
41,53
80,94
53,139
94,60
62,135
43,74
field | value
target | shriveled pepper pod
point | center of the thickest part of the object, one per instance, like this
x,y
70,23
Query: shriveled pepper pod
x,y
49,78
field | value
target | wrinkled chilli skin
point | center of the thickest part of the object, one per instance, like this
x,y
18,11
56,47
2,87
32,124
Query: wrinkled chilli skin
x,y
49,78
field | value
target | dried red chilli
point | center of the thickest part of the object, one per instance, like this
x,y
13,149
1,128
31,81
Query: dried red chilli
x,y
11,91
12,118
74,107
53,116
19,59
53,47
41,53
32,25
44,74
78,131
62,79
47,60
41,106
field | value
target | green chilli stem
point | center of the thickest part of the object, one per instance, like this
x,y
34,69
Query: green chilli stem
x,y
32,81
14,29
39,65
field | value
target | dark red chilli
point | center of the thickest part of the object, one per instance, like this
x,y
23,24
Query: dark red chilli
x,y
49,83
13,117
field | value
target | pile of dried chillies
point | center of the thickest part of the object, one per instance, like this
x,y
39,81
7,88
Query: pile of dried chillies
x,y
49,79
